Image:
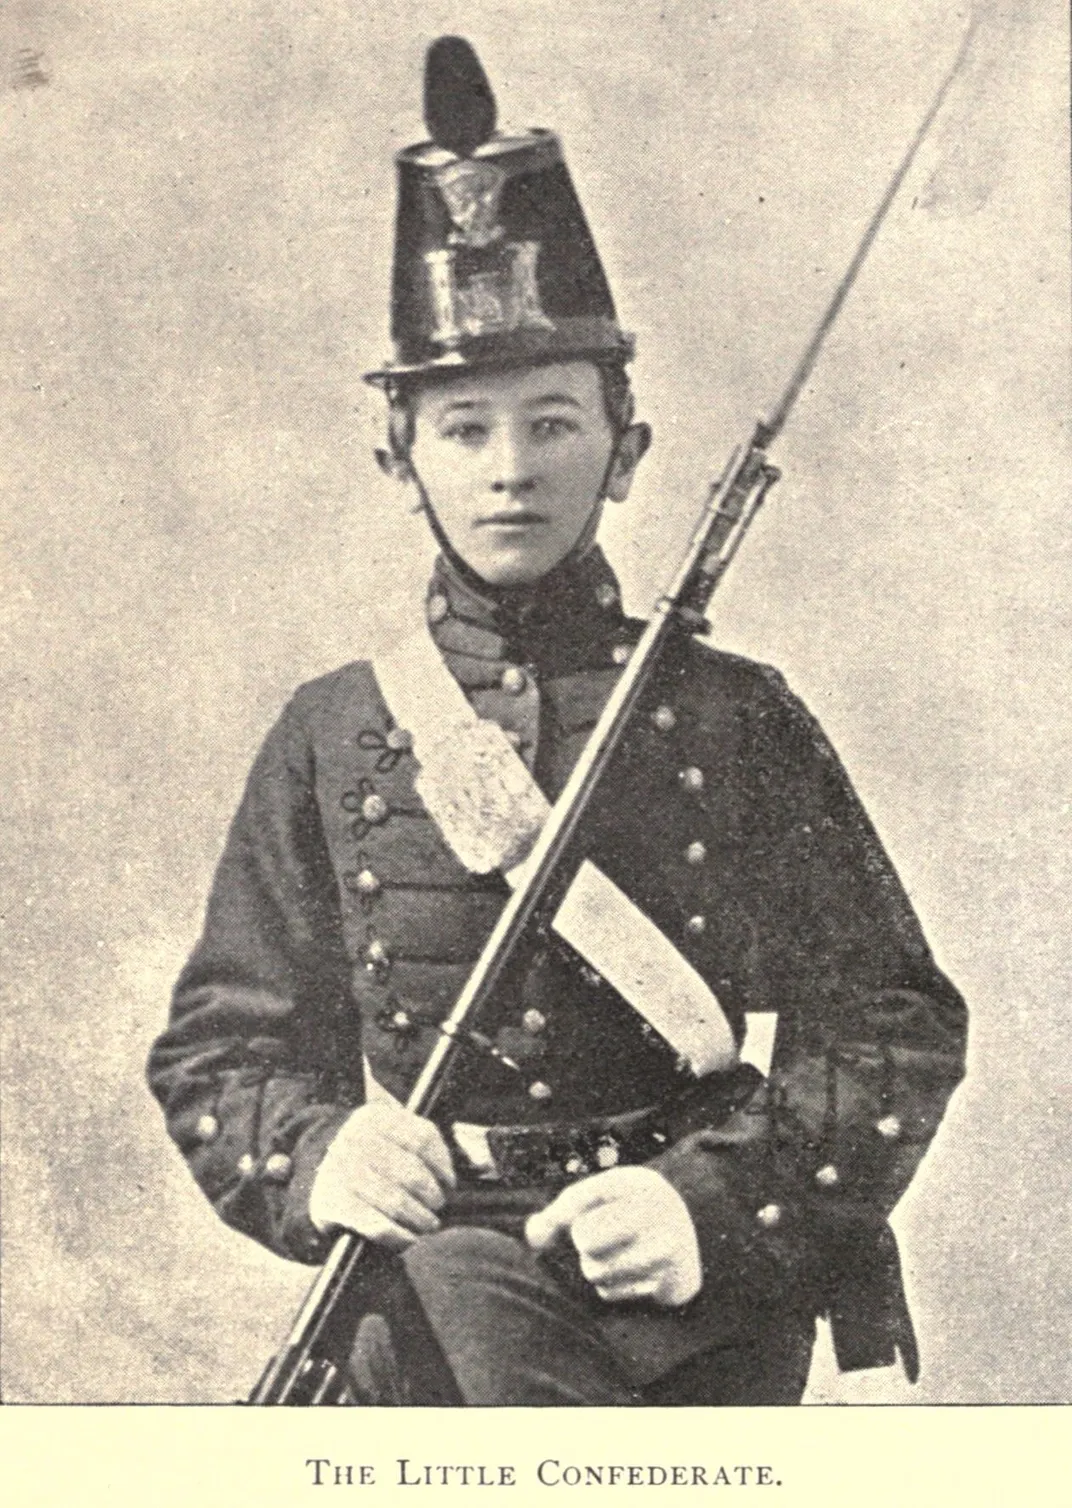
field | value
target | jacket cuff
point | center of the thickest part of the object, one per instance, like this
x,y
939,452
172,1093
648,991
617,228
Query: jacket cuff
x,y
754,1247
298,1237
766,1240
254,1148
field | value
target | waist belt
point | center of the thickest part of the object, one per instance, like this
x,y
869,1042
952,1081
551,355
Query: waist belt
x,y
560,1150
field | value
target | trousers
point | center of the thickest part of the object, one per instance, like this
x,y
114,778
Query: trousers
x,y
471,1316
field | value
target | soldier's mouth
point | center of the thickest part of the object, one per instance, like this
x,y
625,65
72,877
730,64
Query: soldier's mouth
x,y
514,519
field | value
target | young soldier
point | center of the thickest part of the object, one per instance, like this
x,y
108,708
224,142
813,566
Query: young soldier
x,y
611,1207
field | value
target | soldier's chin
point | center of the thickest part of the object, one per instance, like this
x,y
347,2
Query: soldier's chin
x,y
513,565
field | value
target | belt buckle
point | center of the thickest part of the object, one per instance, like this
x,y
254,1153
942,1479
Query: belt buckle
x,y
558,1152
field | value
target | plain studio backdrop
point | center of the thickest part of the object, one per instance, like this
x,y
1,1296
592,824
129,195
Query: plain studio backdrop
x,y
195,258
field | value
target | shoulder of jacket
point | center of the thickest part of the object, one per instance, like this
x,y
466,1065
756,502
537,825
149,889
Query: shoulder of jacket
x,y
351,684
734,675
340,698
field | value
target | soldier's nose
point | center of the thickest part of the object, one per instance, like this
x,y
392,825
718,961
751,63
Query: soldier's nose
x,y
513,468
514,486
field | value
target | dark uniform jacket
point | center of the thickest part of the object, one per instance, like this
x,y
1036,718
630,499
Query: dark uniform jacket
x,y
341,927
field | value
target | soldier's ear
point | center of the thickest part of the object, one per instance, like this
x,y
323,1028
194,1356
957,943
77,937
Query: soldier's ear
x,y
628,454
396,467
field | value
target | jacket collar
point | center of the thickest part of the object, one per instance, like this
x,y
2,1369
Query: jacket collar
x,y
567,621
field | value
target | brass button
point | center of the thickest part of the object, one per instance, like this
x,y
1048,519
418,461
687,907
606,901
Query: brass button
x,y
664,719
438,607
513,680
377,957
534,1022
207,1128
696,926
367,883
400,1021
696,853
399,739
621,654
827,1177
374,808
692,779
769,1216
889,1127
539,1090
606,596
608,1154
277,1167
575,1165
245,1164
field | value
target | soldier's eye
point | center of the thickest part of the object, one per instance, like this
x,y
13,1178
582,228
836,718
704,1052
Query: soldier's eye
x,y
466,432
552,426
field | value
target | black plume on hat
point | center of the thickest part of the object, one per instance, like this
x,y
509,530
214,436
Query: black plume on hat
x,y
459,107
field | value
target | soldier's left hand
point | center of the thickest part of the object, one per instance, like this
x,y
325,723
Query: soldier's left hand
x,y
633,1233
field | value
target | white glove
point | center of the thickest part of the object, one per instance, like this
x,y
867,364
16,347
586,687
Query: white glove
x,y
633,1233
385,1175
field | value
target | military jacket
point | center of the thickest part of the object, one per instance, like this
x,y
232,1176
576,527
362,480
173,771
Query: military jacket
x,y
341,928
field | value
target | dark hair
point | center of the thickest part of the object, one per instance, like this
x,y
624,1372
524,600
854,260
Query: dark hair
x,y
618,403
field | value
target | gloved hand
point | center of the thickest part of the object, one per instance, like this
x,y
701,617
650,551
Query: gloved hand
x,y
385,1175
633,1233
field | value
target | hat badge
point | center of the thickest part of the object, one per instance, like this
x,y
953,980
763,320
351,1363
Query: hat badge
x,y
471,191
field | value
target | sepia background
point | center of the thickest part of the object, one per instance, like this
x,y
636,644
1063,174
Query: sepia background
x,y
194,262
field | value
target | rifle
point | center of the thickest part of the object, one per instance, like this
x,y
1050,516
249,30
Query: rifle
x,y
304,1371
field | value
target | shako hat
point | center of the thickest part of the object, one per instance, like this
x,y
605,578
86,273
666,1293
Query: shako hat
x,y
494,262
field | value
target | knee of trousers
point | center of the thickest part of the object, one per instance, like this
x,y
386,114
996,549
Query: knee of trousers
x,y
510,1332
467,1253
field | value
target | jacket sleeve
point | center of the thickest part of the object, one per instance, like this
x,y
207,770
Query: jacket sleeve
x,y
240,1070
790,1196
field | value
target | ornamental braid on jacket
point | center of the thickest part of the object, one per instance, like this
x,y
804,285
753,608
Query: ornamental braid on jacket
x,y
341,928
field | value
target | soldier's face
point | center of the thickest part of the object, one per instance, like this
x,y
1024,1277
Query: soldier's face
x,y
515,462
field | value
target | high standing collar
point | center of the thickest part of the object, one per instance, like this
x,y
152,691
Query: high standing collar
x,y
570,619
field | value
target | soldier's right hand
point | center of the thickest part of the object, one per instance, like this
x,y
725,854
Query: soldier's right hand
x,y
386,1175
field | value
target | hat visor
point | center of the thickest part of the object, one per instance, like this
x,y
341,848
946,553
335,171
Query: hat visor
x,y
568,340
